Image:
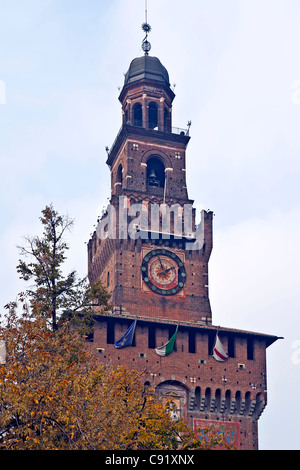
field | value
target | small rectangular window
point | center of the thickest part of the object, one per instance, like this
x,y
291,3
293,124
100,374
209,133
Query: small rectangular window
x,y
231,346
110,331
192,342
211,342
151,337
250,349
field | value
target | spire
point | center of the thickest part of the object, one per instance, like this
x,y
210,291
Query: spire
x,y
146,46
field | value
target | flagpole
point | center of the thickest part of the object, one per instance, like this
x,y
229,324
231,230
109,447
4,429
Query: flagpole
x,y
219,352
176,334
215,340
133,334
163,350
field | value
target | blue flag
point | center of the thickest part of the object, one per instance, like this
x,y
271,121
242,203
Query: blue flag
x,y
127,338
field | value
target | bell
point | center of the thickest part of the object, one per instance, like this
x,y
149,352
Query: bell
x,y
152,174
152,179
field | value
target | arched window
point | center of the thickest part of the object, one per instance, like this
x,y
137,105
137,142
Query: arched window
x,y
120,175
119,181
153,116
167,121
155,173
137,115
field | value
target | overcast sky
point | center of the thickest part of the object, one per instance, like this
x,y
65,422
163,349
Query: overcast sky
x,y
236,67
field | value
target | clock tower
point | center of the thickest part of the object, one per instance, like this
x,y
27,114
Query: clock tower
x,y
153,258
150,224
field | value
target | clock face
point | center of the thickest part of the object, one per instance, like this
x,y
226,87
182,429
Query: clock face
x,y
163,272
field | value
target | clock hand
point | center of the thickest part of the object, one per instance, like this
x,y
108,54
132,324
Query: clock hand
x,y
162,268
169,269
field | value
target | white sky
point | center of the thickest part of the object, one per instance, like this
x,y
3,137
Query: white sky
x,y
234,63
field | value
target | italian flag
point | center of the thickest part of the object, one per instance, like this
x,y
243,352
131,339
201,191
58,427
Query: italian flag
x,y
168,347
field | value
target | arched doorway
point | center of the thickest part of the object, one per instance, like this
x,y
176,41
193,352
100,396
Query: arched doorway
x,y
177,393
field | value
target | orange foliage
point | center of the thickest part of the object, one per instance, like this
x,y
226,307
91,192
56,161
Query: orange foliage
x,y
54,396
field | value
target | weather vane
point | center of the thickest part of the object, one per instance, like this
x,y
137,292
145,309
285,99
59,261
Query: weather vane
x,y
146,46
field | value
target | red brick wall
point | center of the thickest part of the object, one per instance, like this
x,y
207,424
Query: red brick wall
x,y
195,372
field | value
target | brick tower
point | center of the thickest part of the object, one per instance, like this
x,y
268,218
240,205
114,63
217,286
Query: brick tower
x,y
153,260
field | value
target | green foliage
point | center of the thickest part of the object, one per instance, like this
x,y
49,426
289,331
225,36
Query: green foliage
x,y
54,294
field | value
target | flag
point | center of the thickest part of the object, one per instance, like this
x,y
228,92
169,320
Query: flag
x,y
168,347
219,352
127,338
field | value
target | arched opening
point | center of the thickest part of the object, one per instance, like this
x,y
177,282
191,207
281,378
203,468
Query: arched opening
x,y
248,402
176,393
207,398
167,120
120,175
137,115
260,397
238,401
227,400
155,173
260,404
119,181
197,397
153,116
218,399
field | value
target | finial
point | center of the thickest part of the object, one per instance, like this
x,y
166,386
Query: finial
x,y
146,46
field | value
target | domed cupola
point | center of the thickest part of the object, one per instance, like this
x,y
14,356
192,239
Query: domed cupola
x,y
147,68
146,96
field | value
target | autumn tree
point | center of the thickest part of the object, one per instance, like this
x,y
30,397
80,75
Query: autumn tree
x,y
53,293
54,396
